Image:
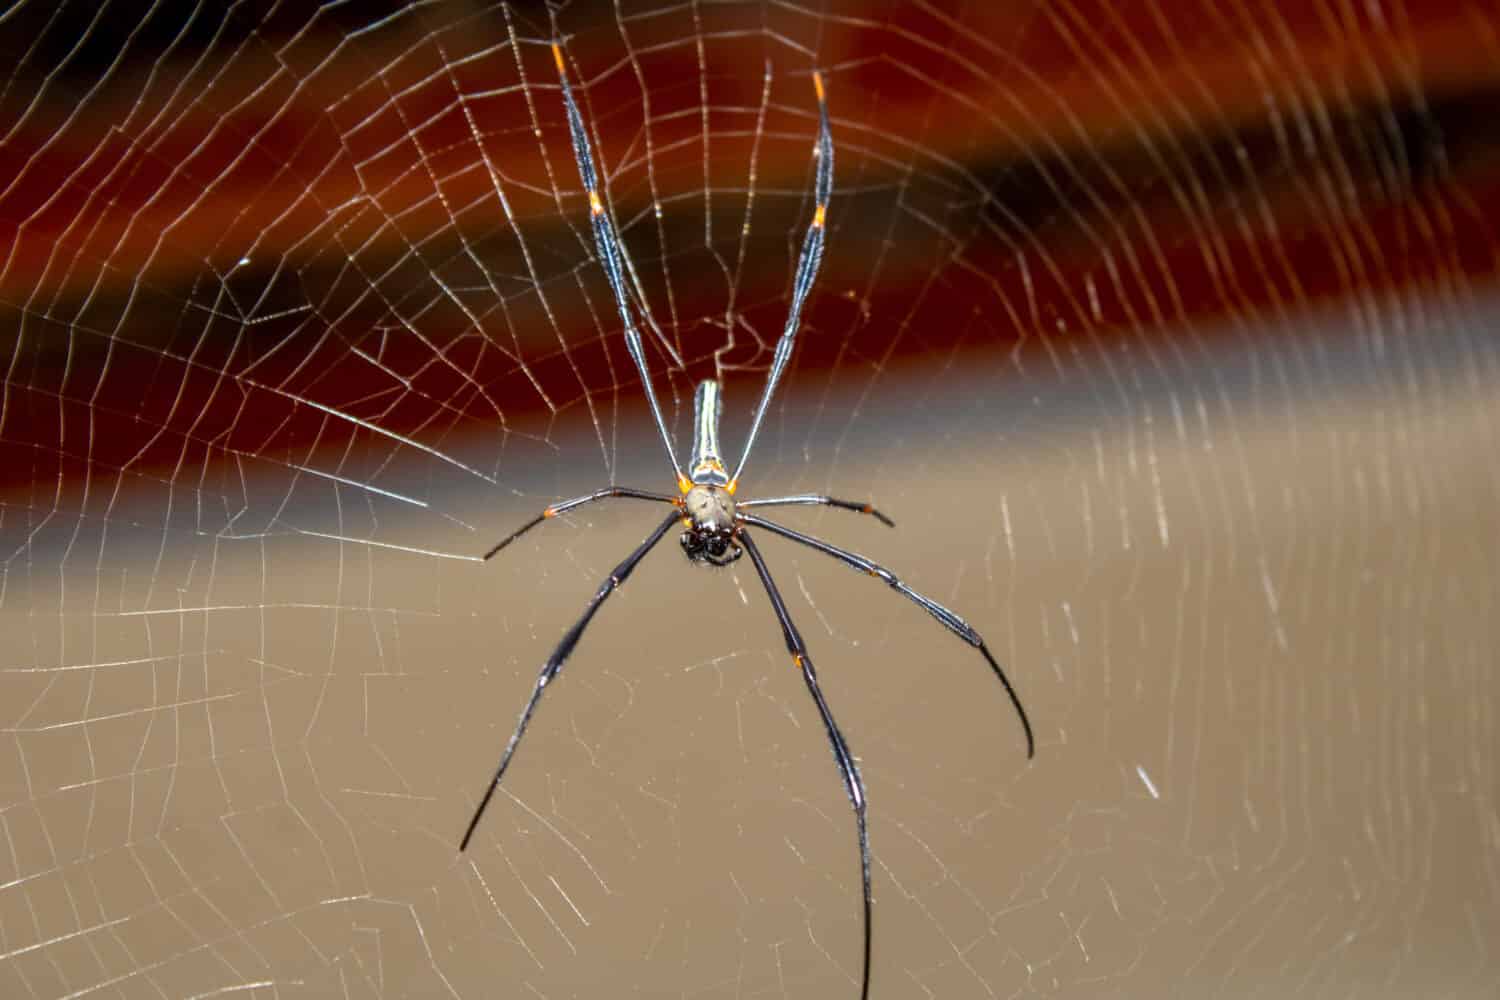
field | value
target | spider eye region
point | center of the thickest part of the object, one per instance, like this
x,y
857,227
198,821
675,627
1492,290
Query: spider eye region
x,y
711,526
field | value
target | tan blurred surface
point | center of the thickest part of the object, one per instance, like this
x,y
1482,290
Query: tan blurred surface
x,y
1164,331
1254,629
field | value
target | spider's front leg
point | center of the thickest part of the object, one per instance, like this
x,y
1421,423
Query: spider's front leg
x,y
559,656
842,755
946,618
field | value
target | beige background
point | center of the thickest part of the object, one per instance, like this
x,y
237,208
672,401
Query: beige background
x,y
1166,333
1253,621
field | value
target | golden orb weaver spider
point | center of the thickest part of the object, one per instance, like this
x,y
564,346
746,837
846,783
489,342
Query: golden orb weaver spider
x,y
714,522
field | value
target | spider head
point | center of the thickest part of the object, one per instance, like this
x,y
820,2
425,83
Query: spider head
x,y
719,550
709,513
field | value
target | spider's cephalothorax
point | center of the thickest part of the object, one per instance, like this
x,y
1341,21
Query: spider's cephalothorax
x,y
709,517
708,499
719,527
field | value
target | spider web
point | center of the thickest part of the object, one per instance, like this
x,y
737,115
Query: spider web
x,y
1164,332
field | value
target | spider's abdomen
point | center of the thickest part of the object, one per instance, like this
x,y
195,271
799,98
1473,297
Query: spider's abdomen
x,y
710,526
707,465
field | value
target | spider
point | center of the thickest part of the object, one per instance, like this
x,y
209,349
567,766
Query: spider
x,y
715,524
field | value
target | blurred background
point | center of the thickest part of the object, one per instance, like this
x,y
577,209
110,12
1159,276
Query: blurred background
x,y
1162,330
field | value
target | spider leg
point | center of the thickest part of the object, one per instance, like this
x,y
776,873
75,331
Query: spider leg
x,y
819,499
807,272
951,621
611,253
841,753
567,505
560,655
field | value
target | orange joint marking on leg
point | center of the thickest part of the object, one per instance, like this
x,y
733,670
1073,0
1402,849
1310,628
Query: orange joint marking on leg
x,y
683,483
868,509
817,80
731,486
595,205
557,55
687,522
818,215
797,659
549,512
